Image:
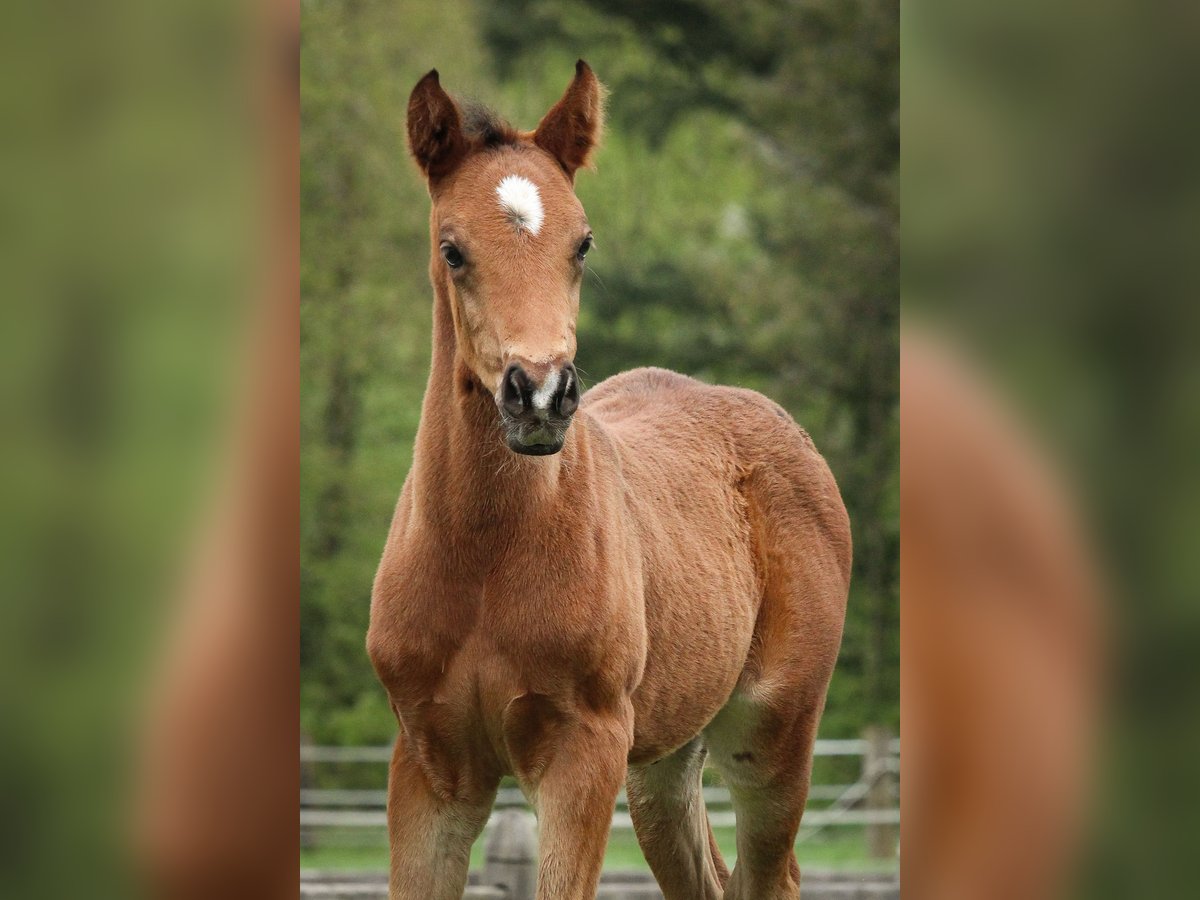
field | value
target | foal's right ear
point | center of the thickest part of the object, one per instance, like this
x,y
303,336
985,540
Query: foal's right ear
x,y
435,134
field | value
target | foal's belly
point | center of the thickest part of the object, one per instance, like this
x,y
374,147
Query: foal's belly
x,y
701,603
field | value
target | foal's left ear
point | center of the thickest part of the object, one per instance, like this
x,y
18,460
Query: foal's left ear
x,y
572,128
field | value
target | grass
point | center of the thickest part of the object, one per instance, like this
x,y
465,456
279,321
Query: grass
x,y
836,848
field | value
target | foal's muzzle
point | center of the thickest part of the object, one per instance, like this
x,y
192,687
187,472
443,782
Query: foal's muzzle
x,y
536,404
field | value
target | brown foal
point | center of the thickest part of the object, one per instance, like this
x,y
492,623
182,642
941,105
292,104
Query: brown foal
x,y
591,591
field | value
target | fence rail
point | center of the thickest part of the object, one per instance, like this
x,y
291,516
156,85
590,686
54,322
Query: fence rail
x,y
382,753
336,798
813,818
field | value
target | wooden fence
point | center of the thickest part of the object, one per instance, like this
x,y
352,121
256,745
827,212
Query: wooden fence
x,y
510,873
872,801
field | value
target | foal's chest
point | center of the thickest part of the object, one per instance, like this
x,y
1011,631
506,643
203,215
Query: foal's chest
x,y
490,669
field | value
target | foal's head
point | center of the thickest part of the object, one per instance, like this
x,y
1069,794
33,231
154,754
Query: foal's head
x,y
509,241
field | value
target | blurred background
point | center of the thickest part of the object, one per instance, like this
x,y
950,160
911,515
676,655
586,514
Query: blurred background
x,y
745,211
144,248
1051,408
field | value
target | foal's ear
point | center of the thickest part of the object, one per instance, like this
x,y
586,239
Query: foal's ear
x,y
435,134
572,128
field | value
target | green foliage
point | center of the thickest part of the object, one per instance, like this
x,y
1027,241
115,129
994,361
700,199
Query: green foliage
x,y
746,233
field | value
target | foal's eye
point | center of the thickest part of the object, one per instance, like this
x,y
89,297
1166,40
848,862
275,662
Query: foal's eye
x,y
584,248
450,254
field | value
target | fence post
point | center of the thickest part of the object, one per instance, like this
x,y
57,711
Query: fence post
x,y
881,838
510,857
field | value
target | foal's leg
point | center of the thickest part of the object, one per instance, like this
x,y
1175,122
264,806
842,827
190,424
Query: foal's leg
x,y
430,831
574,796
762,739
667,805
767,762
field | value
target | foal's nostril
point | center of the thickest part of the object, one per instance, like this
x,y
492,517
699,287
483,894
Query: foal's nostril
x,y
566,400
515,390
556,396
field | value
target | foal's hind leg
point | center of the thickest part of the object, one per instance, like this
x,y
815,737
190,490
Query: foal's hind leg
x,y
762,739
666,803
764,754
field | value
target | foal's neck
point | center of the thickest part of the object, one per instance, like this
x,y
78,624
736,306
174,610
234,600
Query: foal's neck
x,y
464,475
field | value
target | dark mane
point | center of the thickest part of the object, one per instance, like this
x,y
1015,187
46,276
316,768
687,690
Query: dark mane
x,y
485,129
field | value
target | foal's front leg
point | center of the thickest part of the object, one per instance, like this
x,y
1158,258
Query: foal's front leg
x,y
575,797
430,828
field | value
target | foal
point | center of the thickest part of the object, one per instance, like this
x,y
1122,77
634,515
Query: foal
x,y
589,591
